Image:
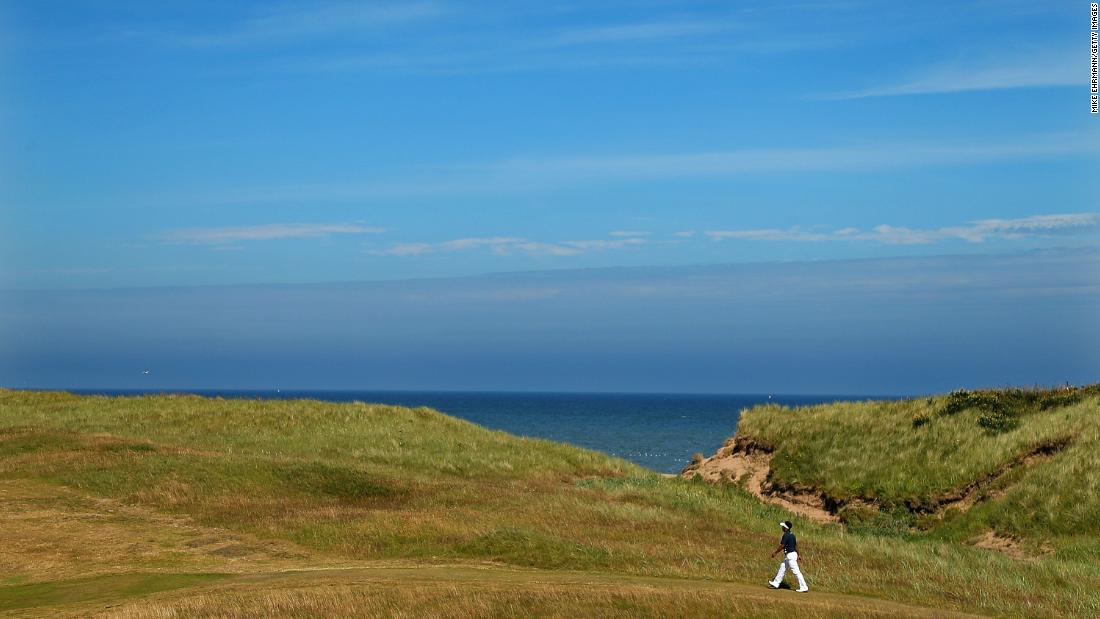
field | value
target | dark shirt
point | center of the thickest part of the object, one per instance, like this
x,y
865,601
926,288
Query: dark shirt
x,y
790,544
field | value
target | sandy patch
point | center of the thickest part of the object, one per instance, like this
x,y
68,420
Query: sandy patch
x,y
742,462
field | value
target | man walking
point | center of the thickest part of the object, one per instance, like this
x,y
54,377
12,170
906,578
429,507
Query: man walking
x,y
789,545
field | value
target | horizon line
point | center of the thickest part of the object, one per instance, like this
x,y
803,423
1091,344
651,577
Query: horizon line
x,y
213,391
485,274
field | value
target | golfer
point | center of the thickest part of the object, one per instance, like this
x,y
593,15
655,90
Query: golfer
x,y
789,545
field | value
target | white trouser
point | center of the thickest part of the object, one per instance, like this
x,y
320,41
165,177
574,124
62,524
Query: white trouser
x,y
791,561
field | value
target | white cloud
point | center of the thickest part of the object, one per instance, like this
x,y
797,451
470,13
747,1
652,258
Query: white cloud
x,y
840,158
629,233
495,242
768,234
1032,71
974,232
406,249
547,249
1039,222
605,244
525,175
895,235
470,54
499,244
317,19
507,245
264,232
621,33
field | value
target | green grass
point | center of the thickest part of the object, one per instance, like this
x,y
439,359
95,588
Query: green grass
x,y
908,456
113,587
182,484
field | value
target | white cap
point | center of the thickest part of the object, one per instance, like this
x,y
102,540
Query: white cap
x,y
784,525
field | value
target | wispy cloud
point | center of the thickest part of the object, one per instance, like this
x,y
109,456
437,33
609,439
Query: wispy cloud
x,y
504,245
509,40
619,33
476,57
496,243
604,244
629,233
769,234
523,175
264,232
1042,69
974,232
531,173
840,158
315,19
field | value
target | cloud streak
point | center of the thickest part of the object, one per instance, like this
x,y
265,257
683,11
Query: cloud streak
x,y
837,158
525,175
263,232
975,232
504,245
320,19
622,33
1033,71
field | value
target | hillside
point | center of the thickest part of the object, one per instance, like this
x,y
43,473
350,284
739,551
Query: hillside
x,y
1015,469
186,506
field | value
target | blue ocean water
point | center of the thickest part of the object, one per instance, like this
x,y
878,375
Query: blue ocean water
x,y
658,431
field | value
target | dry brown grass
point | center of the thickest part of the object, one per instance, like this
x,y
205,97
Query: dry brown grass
x,y
461,592
53,533
185,486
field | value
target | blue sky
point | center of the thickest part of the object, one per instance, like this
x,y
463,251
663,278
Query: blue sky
x,y
207,144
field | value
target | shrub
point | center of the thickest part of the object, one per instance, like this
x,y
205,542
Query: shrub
x,y
999,419
958,401
1000,411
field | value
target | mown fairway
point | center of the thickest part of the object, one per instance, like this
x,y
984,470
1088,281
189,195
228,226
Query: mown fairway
x,y
187,506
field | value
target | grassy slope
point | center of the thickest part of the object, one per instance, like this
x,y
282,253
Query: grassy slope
x,y
108,487
875,451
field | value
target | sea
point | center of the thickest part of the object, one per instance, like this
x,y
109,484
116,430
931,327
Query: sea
x,y
657,431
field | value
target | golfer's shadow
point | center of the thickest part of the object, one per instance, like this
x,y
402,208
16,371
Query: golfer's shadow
x,y
782,585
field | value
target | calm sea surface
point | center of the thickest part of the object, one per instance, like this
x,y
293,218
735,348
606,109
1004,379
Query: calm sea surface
x,y
660,432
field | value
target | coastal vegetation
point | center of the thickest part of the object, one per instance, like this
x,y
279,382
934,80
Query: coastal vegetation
x,y
1020,464
175,505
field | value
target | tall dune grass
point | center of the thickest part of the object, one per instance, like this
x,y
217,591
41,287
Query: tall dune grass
x,y
875,451
312,484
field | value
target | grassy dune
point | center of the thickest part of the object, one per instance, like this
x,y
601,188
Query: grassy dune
x,y
1034,470
186,506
